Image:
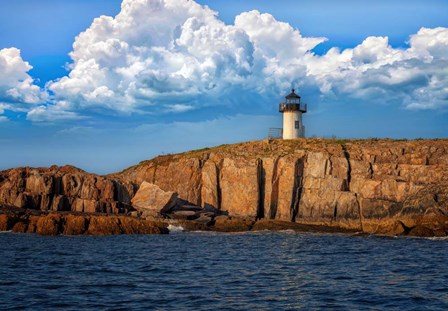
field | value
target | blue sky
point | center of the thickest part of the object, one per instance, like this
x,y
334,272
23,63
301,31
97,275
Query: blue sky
x,y
169,77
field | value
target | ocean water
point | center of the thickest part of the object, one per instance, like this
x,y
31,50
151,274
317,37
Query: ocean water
x,y
217,271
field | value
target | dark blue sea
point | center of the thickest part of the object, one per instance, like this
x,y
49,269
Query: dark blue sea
x,y
211,271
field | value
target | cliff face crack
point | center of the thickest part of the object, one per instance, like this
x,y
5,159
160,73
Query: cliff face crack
x,y
115,190
359,212
153,180
50,202
298,187
329,167
349,167
274,193
121,226
218,184
335,211
261,180
201,167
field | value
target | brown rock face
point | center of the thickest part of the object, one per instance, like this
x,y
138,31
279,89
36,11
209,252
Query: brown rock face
x,y
64,189
62,223
238,184
182,177
366,185
49,225
5,223
233,225
150,198
75,225
374,186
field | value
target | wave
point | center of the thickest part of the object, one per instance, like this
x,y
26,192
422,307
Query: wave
x,y
438,238
175,229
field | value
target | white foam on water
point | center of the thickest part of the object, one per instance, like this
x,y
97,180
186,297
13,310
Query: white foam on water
x,y
174,229
289,231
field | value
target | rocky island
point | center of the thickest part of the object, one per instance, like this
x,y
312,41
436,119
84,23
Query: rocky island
x,y
390,187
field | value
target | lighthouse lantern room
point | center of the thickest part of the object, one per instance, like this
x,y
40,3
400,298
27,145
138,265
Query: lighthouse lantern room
x,y
292,110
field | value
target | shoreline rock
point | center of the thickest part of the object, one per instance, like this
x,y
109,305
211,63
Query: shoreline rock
x,y
56,223
65,188
377,186
386,187
66,223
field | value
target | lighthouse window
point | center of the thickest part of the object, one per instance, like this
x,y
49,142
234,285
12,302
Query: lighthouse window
x,y
297,124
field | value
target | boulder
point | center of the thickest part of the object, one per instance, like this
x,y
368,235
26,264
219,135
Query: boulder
x,y
421,231
136,226
150,197
49,225
75,225
233,225
204,219
5,222
152,215
187,215
20,227
104,225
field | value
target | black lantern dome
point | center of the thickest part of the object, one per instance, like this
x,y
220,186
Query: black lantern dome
x,y
292,103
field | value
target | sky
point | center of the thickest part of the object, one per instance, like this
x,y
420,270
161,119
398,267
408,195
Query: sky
x,y
104,84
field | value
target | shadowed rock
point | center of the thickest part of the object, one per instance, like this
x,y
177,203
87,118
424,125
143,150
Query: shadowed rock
x,y
150,198
233,225
373,186
64,188
62,223
364,185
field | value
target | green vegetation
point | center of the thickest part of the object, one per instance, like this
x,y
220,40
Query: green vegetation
x,y
199,150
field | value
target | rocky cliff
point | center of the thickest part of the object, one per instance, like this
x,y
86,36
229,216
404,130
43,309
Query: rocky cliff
x,y
56,223
64,188
375,186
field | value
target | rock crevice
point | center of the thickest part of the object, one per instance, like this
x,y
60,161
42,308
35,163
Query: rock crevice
x,y
365,185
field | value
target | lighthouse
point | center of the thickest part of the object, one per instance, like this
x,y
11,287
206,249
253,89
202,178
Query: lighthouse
x,y
292,110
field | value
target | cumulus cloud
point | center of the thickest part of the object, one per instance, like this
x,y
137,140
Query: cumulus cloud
x,y
374,71
17,88
176,55
15,83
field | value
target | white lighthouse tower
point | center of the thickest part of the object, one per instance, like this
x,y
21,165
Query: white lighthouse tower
x,y
292,110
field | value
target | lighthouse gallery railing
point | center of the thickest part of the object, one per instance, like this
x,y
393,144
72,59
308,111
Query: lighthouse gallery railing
x,y
292,107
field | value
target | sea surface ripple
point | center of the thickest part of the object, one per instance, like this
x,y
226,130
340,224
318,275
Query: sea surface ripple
x,y
204,271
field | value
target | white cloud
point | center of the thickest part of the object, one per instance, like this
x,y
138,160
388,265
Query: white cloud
x,y
52,113
373,71
16,86
179,108
175,55
430,43
166,54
